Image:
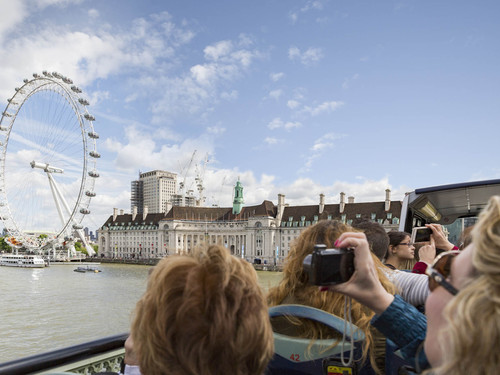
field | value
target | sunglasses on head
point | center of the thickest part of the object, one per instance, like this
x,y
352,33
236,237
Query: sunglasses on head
x,y
440,270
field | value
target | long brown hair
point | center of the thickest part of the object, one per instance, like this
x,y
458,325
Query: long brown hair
x,y
294,288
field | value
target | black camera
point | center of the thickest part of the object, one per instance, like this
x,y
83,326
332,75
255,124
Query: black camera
x,y
329,266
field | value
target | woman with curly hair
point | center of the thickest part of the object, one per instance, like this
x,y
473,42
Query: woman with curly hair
x,y
202,313
295,289
463,309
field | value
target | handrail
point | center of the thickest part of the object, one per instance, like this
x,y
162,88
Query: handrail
x,y
48,360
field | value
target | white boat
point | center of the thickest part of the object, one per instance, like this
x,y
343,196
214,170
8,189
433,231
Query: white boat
x,y
22,260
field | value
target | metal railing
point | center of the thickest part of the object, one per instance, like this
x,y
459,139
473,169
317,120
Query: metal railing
x,y
88,358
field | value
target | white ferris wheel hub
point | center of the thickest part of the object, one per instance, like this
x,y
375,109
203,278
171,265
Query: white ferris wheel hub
x,y
46,167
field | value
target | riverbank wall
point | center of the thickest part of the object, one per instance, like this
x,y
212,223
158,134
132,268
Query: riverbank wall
x,y
154,262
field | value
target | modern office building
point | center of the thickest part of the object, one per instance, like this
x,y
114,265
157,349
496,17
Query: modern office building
x,y
153,190
265,231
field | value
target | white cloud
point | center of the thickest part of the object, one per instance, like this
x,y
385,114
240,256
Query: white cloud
x,y
218,50
87,55
230,96
309,6
347,81
275,77
144,150
277,123
194,92
93,13
271,140
216,130
308,57
292,104
323,107
13,13
276,94
320,146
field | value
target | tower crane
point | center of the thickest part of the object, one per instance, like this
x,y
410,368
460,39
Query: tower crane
x,y
200,173
184,173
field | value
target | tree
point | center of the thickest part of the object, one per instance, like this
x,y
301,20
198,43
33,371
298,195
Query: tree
x,y
4,246
79,247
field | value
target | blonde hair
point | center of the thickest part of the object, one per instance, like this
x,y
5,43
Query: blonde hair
x,y
203,313
471,337
294,288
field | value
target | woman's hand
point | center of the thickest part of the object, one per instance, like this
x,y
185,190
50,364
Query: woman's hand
x,y
427,253
364,285
439,237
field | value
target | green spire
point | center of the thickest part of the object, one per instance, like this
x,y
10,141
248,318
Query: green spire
x,y
238,198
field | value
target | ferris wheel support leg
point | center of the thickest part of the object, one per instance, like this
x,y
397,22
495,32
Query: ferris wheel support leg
x,y
89,248
55,191
53,186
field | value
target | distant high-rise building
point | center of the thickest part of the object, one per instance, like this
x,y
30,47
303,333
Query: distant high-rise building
x,y
153,190
136,195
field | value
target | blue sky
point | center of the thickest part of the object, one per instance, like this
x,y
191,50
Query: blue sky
x,y
293,97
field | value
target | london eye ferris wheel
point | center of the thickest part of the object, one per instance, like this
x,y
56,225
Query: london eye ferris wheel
x,y
48,158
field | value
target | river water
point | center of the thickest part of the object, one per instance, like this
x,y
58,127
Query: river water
x,y
45,309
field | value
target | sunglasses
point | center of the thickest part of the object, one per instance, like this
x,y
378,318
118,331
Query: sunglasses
x,y
440,270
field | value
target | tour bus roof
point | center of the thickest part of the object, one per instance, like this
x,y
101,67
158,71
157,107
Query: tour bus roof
x,y
444,204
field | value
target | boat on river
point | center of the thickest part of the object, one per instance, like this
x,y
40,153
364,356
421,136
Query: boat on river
x,y
87,269
22,260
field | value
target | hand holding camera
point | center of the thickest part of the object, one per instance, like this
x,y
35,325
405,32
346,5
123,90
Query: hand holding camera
x,y
363,285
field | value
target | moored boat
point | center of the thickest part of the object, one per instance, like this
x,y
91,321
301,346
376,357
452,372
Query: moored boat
x,y
87,269
22,260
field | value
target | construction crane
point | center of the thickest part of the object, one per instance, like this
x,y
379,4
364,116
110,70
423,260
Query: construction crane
x,y
182,184
200,174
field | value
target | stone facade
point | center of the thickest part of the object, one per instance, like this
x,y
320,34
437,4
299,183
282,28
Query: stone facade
x,y
264,231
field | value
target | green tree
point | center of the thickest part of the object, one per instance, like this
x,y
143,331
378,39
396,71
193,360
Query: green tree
x,y
81,248
4,246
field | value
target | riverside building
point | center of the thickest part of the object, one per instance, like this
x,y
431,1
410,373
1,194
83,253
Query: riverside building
x,y
262,232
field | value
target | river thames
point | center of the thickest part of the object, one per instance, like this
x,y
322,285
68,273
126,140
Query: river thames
x,y
49,308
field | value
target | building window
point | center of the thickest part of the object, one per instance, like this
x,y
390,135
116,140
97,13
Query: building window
x,y
374,216
358,216
389,215
290,218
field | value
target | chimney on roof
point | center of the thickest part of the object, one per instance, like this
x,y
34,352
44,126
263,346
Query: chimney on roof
x,y
281,207
115,213
350,199
342,202
121,212
145,213
321,203
387,200
134,212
